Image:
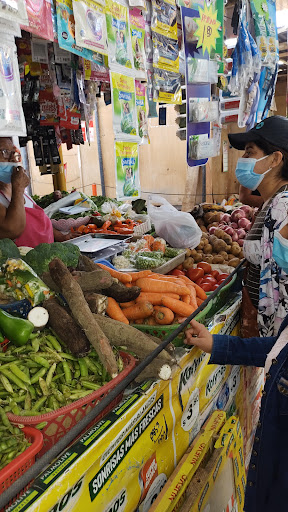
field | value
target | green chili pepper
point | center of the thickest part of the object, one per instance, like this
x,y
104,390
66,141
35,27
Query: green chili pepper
x,y
17,330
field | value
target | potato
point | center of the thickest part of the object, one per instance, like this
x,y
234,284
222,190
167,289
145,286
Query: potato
x,y
231,257
205,236
218,259
234,262
217,244
188,263
235,249
212,225
241,255
209,217
228,248
208,258
223,236
200,222
206,241
203,229
193,253
188,253
207,249
198,257
200,246
224,254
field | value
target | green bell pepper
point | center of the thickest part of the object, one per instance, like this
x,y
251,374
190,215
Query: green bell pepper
x,y
17,330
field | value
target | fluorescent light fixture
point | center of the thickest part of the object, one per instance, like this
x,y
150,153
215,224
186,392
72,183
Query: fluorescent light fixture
x,y
282,18
282,63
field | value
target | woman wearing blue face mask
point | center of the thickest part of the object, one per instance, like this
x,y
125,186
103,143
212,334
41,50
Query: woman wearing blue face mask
x,y
264,166
20,218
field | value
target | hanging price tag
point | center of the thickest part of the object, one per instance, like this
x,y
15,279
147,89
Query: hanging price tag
x,y
208,28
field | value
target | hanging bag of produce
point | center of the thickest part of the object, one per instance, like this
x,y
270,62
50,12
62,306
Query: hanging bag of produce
x,y
179,229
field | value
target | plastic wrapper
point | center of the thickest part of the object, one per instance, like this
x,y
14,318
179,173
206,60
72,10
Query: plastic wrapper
x,y
203,111
148,34
201,147
14,11
25,284
9,27
127,170
40,19
202,71
118,34
90,25
164,17
142,112
165,52
66,32
137,29
124,107
167,87
12,120
181,231
96,72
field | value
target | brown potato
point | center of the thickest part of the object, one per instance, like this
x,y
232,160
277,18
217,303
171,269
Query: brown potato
x,y
188,263
203,229
223,236
218,259
198,257
207,249
234,262
231,257
206,241
200,246
208,258
224,254
188,253
200,222
235,249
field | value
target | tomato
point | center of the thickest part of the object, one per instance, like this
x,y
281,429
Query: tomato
x,y
195,273
177,272
199,281
180,267
205,266
209,279
221,280
222,276
215,274
207,287
214,287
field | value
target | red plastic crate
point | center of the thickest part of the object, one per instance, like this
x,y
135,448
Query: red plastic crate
x,y
59,422
20,464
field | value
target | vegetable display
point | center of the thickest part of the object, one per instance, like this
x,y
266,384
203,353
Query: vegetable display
x,y
8,250
13,441
40,257
146,253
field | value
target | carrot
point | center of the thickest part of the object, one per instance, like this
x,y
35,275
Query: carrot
x,y
155,298
163,316
150,321
121,276
140,310
139,275
178,306
186,299
199,301
199,292
129,285
127,304
193,297
114,311
158,245
151,285
149,239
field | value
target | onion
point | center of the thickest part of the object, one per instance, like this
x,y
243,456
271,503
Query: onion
x,y
235,237
244,223
222,226
241,233
212,230
38,317
237,215
247,210
225,218
241,242
228,230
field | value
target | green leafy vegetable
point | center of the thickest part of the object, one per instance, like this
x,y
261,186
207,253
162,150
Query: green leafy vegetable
x,y
8,250
40,257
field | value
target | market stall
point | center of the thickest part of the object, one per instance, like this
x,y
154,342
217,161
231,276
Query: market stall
x,y
102,403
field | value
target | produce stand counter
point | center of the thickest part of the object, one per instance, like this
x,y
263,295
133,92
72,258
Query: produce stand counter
x,y
123,461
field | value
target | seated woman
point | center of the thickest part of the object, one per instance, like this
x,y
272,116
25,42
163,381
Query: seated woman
x,y
20,217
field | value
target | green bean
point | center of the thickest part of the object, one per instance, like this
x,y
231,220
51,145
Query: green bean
x,y
34,335
32,392
39,403
30,413
57,377
47,344
67,372
43,386
54,342
83,367
50,374
6,384
58,395
93,366
37,375
67,356
7,359
55,354
4,419
13,378
15,408
40,360
77,374
35,344
27,404
79,394
21,375
18,398
41,425
90,385
65,390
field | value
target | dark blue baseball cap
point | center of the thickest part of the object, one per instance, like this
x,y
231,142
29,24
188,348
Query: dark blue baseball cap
x,y
273,130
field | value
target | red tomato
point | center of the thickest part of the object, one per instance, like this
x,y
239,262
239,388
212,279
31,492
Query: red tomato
x,y
199,281
222,276
207,287
221,280
215,274
214,287
177,272
206,267
195,273
209,279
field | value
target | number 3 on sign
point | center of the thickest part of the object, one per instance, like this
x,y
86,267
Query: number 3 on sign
x,y
191,411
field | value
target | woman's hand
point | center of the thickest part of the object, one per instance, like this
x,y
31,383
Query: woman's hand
x,y
19,179
199,336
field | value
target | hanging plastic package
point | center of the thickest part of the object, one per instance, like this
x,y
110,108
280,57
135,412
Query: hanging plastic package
x,y
40,19
179,229
95,72
124,107
152,110
148,34
14,11
9,27
234,86
137,29
202,71
66,32
142,112
127,170
167,87
90,25
165,52
202,111
12,120
118,34
140,4
164,17
200,147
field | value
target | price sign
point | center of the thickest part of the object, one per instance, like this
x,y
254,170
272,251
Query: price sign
x,y
208,28
191,411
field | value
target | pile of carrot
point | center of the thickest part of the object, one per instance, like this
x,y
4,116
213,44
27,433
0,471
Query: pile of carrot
x,y
163,299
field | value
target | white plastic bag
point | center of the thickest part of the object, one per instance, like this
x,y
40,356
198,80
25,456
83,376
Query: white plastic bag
x,y
179,229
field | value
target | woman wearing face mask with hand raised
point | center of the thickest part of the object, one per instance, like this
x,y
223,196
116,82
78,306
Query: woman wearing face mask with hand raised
x,y
20,217
264,166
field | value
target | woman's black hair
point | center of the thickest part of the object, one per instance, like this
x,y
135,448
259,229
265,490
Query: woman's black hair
x,y
268,149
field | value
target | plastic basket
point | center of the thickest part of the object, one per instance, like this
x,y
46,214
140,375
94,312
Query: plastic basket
x,y
219,301
18,308
162,331
20,464
62,420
